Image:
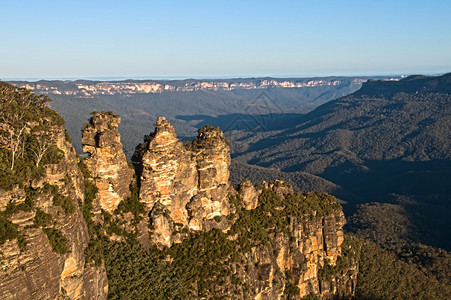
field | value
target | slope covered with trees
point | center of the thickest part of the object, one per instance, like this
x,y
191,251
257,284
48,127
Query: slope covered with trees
x,y
388,142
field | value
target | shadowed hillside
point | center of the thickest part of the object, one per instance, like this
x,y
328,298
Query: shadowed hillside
x,y
388,142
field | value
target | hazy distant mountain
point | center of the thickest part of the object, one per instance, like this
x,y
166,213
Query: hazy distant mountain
x,y
387,142
189,104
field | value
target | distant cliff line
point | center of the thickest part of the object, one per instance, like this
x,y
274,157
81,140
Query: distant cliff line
x,y
85,88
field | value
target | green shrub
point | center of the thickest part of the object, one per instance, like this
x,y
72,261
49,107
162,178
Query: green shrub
x,y
64,202
84,169
94,252
291,290
22,242
42,219
59,243
67,136
132,203
8,230
53,155
24,170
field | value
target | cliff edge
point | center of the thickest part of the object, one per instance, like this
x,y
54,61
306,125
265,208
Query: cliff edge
x,y
43,235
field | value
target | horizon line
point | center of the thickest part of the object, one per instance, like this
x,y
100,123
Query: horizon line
x,y
208,77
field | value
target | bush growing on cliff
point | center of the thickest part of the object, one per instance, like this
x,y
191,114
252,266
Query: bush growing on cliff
x,y
94,251
27,128
57,240
8,230
132,203
42,219
24,170
64,202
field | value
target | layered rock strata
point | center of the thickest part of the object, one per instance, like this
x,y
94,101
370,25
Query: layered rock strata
x,y
89,89
183,187
189,182
106,162
36,271
296,257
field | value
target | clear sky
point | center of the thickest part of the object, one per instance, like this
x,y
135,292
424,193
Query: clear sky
x,y
154,39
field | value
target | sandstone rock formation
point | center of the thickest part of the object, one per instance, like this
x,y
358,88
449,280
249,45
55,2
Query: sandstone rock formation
x,y
89,89
297,256
249,194
45,211
106,162
191,181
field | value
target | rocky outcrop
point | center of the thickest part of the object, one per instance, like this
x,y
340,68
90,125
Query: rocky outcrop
x,y
106,162
191,181
249,194
30,267
298,260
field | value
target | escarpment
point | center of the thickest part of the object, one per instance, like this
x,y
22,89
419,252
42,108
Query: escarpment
x,y
291,244
43,235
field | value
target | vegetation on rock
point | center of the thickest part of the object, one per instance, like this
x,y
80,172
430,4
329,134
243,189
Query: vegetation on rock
x,y
8,230
26,136
205,264
57,240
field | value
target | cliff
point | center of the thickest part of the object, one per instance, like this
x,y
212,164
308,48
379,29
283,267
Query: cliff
x,y
263,243
106,161
268,242
292,245
43,235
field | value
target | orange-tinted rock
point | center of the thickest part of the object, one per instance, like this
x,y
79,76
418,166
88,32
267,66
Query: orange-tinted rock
x,y
179,176
249,194
37,272
107,162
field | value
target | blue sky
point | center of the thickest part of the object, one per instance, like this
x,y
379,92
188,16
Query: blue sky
x,y
96,38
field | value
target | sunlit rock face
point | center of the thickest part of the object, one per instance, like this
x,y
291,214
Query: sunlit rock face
x,y
88,89
307,246
191,181
107,162
37,271
249,194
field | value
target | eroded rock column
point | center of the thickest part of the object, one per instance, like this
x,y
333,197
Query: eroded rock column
x,y
190,181
106,162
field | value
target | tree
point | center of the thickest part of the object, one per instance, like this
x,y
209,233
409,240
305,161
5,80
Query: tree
x,y
39,143
18,108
